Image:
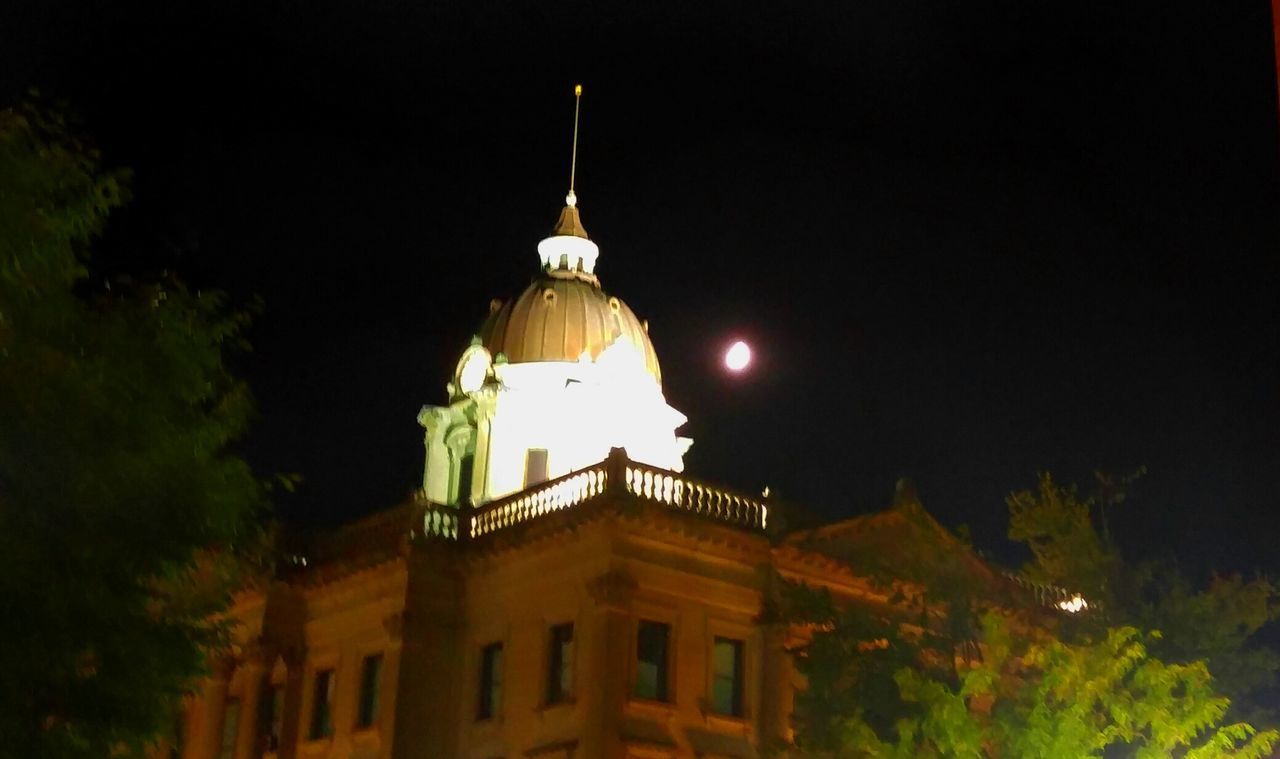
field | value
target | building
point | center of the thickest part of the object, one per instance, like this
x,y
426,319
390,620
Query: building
x,y
558,589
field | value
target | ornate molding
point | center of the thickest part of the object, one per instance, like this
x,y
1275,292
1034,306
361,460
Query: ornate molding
x,y
614,588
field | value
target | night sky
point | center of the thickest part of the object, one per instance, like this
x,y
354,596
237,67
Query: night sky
x,y
968,241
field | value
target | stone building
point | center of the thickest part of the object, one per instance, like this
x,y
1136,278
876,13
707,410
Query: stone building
x,y
558,589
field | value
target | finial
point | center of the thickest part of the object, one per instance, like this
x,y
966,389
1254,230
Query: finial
x,y
571,199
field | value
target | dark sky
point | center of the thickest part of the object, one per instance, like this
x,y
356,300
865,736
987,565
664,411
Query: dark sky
x,y
970,241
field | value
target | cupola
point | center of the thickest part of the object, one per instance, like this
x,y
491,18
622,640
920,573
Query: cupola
x,y
568,252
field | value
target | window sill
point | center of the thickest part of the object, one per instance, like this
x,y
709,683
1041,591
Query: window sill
x,y
487,723
728,722
564,703
315,745
651,706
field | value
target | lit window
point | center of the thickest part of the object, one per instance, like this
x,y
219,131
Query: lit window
x,y
490,681
370,684
651,660
322,706
535,466
726,677
230,724
560,664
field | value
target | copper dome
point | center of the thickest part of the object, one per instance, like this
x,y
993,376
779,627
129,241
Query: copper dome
x,y
559,318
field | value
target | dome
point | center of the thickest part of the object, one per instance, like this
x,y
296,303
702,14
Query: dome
x,y
560,318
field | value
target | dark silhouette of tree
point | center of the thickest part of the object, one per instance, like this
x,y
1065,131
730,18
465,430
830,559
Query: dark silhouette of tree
x,y
126,519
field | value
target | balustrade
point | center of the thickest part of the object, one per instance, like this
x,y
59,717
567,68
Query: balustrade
x,y
616,472
673,490
557,494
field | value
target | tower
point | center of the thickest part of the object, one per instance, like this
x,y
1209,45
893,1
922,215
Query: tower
x,y
553,380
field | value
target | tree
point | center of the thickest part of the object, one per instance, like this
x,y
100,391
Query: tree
x,y
125,515
960,664
1218,623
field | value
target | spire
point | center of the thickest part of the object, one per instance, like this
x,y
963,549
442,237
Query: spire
x,y
568,252
571,200
569,223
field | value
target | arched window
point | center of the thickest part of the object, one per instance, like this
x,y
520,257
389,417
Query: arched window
x,y
462,452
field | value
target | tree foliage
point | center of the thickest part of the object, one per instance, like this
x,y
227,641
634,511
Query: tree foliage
x,y
1012,680
125,515
1218,623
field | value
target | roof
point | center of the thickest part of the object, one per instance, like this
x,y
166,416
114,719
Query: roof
x,y
559,319
904,542
570,223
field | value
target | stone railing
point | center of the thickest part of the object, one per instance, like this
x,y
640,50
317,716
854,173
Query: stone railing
x,y
531,503
616,474
674,490
440,522
1052,596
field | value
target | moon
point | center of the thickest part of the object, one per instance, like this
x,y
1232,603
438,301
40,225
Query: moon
x,y
738,357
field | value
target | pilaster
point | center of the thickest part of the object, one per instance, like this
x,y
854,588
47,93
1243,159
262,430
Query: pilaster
x,y
206,735
254,667
427,680
486,403
775,684
606,689
295,660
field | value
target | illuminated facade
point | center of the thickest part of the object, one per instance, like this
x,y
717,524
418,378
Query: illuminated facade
x,y
558,589
555,379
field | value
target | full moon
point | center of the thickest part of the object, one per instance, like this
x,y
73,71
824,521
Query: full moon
x,y
737,357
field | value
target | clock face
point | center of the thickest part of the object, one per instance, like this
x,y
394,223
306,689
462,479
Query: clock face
x,y
474,368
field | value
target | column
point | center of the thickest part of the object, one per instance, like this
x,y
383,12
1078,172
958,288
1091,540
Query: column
x,y
295,659
427,706
435,471
394,625
605,678
486,404
206,735
249,736
775,684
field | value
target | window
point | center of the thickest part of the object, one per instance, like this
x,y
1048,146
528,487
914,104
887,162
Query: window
x,y
490,681
726,677
230,724
322,706
560,664
535,466
370,684
466,468
651,660
271,716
